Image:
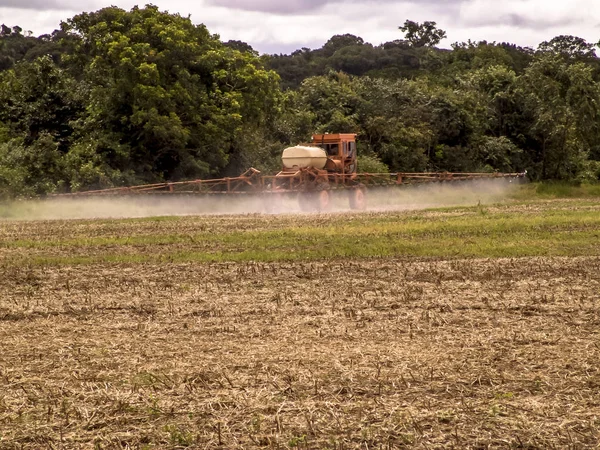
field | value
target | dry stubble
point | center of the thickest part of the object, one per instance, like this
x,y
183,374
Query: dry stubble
x,y
365,354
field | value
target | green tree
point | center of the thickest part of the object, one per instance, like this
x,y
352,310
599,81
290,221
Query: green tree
x,y
13,46
393,123
371,164
568,46
31,170
40,105
172,97
240,46
497,153
562,101
339,42
424,34
476,55
40,98
333,102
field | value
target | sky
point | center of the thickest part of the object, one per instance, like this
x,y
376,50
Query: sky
x,y
280,26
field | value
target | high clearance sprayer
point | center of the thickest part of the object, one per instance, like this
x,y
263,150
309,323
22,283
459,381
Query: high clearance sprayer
x,y
310,171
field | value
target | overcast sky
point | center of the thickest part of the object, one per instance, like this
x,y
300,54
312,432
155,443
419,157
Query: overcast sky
x,y
280,26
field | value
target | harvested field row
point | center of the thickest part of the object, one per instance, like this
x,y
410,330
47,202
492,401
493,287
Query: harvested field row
x,y
363,354
340,331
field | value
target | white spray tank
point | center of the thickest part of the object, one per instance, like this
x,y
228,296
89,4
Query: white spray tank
x,y
301,157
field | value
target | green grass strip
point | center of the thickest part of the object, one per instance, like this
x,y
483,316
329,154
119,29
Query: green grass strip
x,y
473,232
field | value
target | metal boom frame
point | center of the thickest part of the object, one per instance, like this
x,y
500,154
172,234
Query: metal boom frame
x,y
300,180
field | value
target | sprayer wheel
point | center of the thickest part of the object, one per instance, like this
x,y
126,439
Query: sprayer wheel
x,y
318,201
323,201
358,199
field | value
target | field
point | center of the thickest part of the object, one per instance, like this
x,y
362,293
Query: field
x,y
459,327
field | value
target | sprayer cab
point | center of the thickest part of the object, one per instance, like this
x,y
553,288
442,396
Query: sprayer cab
x,y
340,150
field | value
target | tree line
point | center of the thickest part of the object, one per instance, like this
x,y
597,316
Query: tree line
x,y
117,97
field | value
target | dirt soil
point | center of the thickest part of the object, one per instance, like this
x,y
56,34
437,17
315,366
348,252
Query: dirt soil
x,y
392,353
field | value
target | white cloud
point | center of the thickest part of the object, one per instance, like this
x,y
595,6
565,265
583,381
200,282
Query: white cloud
x,y
271,6
38,22
528,22
304,6
522,22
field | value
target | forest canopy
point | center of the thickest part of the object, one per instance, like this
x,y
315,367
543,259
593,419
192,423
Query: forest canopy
x,y
117,97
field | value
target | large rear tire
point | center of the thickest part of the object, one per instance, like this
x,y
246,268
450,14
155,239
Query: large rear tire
x,y
319,201
358,199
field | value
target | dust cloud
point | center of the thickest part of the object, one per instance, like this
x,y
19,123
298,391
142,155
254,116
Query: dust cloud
x,y
439,195
396,198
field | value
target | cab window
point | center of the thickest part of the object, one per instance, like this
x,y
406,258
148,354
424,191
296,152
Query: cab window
x,y
331,149
352,149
